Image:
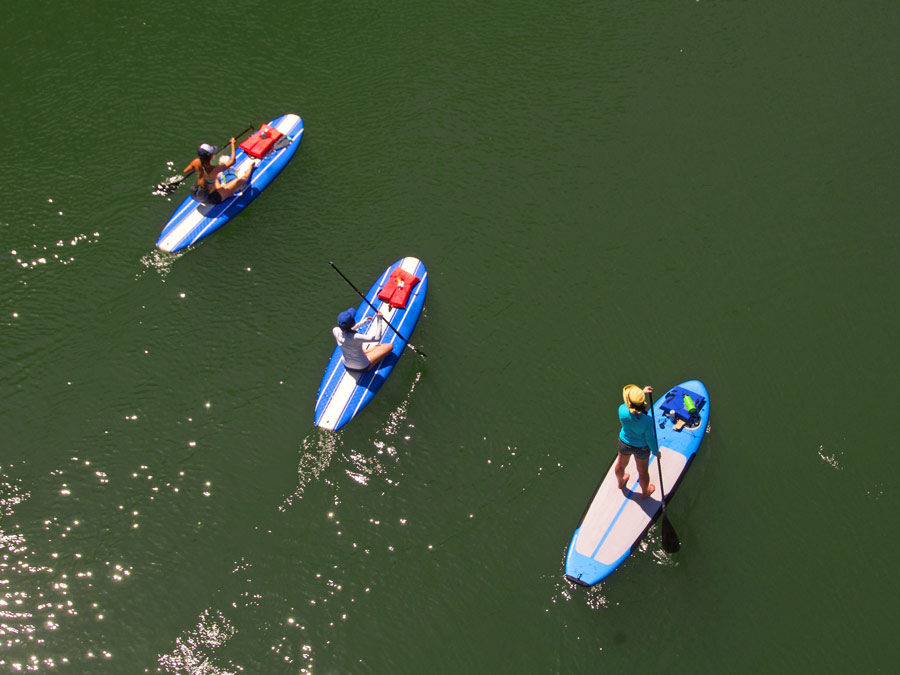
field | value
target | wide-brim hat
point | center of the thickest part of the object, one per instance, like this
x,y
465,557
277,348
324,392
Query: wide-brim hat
x,y
634,397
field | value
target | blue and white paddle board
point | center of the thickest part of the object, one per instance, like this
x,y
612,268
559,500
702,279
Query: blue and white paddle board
x,y
192,221
616,519
343,393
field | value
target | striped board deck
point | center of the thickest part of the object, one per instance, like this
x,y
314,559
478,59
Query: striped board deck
x,y
343,393
192,221
616,519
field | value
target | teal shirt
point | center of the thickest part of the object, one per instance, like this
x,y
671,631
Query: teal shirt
x,y
637,430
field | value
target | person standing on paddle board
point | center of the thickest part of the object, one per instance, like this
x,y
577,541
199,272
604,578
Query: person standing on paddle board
x,y
356,358
637,437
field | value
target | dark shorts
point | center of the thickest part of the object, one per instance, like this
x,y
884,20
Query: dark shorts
x,y
204,196
639,453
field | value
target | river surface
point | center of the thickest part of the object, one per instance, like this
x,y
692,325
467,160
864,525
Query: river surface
x,y
604,193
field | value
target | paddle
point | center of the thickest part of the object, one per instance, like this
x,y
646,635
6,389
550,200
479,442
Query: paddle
x,y
670,541
172,183
420,353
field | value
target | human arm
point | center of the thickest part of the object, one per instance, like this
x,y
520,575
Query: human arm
x,y
230,161
652,441
374,333
192,167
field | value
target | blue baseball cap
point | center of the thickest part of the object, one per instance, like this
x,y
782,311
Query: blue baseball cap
x,y
346,318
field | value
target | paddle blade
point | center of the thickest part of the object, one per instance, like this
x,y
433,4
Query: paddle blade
x,y
170,184
282,142
670,541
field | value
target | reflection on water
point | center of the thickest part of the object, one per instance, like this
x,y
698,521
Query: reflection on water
x,y
319,447
831,460
363,465
34,596
169,182
651,545
315,456
158,261
567,590
35,255
194,650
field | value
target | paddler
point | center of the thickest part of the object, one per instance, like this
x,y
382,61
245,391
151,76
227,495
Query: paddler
x,y
352,343
206,172
637,437
216,183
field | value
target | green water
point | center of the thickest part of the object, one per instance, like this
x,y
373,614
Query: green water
x,y
603,193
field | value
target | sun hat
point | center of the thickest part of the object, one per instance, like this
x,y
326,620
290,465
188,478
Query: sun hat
x,y
206,150
634,397
345,318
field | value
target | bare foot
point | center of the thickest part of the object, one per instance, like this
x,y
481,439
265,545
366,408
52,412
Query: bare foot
x,y
650,489
624,480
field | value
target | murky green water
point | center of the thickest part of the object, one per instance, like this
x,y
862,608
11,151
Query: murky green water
x,y
603,193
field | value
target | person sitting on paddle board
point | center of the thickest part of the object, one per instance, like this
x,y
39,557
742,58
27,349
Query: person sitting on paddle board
x,y
216,183
351,343
638,438
228,181
206,172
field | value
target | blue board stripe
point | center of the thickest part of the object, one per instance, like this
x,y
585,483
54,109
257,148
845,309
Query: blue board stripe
x,y
368,383
588,571
215,217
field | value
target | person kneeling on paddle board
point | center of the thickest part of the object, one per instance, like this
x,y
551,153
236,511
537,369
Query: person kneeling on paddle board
x,y
352,343
638,438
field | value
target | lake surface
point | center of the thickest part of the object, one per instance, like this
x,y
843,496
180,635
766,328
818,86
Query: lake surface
x,y
604,193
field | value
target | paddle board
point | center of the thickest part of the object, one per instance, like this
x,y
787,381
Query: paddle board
x,y
343,393
616,519
192,221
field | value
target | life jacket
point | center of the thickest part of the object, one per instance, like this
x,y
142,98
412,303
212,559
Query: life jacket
x,y
398,287
259,143
683,404
227,175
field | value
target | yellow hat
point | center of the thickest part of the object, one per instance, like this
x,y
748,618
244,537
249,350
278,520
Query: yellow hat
x,y
634,397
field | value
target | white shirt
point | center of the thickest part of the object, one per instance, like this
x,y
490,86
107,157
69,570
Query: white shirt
x,y
351,344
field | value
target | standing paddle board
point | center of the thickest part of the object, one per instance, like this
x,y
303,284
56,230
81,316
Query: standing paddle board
x,y
616,519
343,393
192,221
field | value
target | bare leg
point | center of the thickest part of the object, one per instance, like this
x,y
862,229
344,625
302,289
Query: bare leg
x,y
240,180
647,487
377,353
621,465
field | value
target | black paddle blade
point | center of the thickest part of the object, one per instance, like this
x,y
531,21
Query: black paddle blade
x,y
282,142
169,185
669,538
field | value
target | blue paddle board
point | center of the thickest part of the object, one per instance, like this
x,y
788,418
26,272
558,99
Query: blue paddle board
x,y
616,519
343,393
192,221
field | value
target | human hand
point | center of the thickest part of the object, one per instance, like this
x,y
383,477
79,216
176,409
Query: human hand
x,y
648,390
